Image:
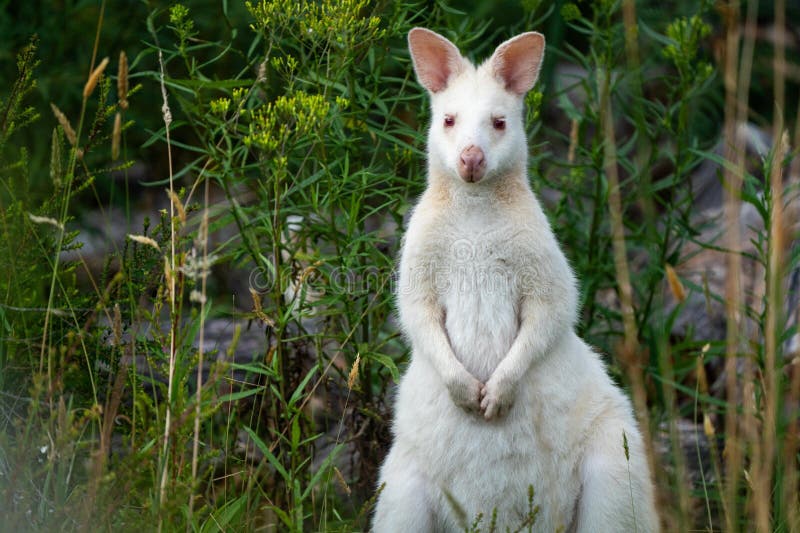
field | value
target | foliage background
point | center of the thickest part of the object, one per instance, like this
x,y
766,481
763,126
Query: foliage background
x,y
197,331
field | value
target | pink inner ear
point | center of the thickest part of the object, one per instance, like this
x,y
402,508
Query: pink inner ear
x,y
435,58
516,62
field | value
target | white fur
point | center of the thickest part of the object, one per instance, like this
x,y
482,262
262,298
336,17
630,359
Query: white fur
x,y
500,393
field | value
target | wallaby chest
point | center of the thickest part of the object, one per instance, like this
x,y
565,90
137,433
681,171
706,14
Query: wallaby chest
x,y
476,269
480,236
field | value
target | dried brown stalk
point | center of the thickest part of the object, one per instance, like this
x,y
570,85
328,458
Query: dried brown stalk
x,y
733,291
630,348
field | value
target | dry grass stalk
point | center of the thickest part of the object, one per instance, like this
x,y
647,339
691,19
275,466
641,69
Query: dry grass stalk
x,y
682,519
168,277
203,237
65,125
116,135
791,445
790,494
643,145
122,81
91,83
794,167
630,349
573,140
779,66
775,290
615,209
631,33
773,330
752,445
170,266
733,296
708,426
791,479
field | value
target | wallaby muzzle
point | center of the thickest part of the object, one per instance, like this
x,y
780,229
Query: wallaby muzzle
x,y
471,164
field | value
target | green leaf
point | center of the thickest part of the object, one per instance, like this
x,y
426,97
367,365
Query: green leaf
x,y
298,392
234,396
276,464
323,469
282,515
223,518
255,368
386,361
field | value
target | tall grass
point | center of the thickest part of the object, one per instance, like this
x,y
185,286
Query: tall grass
x,y
293,144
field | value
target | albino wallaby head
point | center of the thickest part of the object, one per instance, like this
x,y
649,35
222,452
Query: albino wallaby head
x,y
477,129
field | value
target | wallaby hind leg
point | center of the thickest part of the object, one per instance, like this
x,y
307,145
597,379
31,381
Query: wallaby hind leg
x,y
404,504
616,492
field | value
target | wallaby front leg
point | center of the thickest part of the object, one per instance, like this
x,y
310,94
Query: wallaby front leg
x,y
539,328
423,321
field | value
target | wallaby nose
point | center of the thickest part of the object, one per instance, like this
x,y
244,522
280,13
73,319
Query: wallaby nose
x,y
472,164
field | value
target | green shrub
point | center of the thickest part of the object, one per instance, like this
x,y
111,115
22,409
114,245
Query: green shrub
x,y
290,139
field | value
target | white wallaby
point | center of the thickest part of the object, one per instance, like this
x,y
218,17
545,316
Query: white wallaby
x,y
500,394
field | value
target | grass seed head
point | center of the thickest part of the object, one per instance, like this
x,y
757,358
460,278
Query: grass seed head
x,y
351,379
708,427
675,285
141,239
91,83
341,480
176,202
122,81
56,161
45,220
115,136
65,125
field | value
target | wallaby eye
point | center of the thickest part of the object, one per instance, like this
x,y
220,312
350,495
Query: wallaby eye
x,y
499,124
449,121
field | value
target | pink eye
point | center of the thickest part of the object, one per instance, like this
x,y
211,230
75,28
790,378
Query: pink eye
x,y
499,124
449,121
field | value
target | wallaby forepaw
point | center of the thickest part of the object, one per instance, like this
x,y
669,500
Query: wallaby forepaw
x,y
496,399
465,391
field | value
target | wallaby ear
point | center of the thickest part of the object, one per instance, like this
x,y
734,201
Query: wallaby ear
x,y
516,62
435,58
